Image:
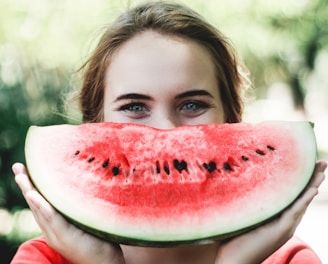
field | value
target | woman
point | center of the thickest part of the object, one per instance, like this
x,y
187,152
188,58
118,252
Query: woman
x,y
162,65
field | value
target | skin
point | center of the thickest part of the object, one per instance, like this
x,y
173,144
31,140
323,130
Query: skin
x,y
171,82
164,82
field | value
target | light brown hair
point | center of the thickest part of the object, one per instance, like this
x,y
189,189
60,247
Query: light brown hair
x,y
170,19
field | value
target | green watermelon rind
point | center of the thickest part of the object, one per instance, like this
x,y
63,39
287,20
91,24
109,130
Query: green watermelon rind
x,y
159,242
173,243
114,238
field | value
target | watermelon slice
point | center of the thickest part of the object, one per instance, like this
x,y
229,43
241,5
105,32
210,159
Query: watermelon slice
x,y
138,185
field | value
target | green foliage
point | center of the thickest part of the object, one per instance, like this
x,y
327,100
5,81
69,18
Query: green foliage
x,y
308,31
33,98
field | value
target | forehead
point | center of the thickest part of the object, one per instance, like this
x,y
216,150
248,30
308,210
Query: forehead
x,y
152,59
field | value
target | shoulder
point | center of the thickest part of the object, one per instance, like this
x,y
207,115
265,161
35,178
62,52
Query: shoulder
x,y
37,251
295,251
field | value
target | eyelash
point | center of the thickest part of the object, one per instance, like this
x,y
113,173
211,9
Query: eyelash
x,y
199,104
128,107
140,110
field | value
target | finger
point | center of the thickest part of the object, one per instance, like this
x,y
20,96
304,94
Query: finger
x,y
24,183
46,214
318,174
320,166
291,218
19,168
316,181
22,178
44,210
38,202
49,221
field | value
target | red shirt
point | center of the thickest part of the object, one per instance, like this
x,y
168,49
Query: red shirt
x,y
295,251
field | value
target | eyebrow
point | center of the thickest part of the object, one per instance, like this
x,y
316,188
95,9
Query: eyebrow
x,y
194,93
179,96
133,96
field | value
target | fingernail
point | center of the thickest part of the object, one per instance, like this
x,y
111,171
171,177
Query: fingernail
x,y
16,167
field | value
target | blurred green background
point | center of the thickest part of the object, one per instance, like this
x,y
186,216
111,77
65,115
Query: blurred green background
x,y
43,42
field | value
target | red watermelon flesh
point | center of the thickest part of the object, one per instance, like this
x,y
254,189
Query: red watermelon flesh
x,y
144,186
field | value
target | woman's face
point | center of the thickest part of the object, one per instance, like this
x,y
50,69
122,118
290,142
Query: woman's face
x,y
163,82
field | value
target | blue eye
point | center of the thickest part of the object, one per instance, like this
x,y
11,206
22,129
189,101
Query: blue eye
x,y
134,107
135,110
194,106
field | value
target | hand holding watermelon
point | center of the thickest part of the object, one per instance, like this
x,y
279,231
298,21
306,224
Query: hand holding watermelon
x,y
271,236
80,247
70,241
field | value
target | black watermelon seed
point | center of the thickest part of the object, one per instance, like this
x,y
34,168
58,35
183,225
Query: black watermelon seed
x,y
91,159
158,167
210,166
270,147
227,166
106,163
77,153
260,152
166,169
180,166
244,158
116,171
